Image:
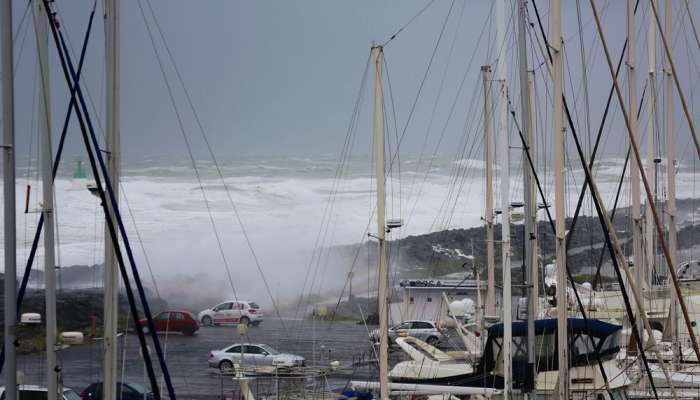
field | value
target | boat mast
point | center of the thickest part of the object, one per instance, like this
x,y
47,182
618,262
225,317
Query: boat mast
x,y
10,228
505,197
42,37
651,87
488,217
634,169
559,210
671,172
381,226
110,273
528,200
534,277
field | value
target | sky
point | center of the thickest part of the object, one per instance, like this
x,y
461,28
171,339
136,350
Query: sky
x,y
279,79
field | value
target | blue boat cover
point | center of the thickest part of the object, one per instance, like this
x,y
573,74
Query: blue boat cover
x,y
592,327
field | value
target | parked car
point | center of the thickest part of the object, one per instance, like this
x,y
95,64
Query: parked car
x,y
232,312
125,391
426,331
34,392
174,321
254,355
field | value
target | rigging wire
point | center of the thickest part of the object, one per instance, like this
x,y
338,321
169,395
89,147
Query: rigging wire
x,y
122,187
73,84
452,108
192,160
418,14
400,141
420,87
437,100
692,22
341,169
39,228
213,158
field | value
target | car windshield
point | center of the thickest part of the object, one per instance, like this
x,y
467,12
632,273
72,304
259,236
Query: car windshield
x,y
269,349
253,305
403,325
137,387
71,395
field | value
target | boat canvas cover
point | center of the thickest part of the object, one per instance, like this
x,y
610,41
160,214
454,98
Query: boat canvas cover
x,y
591,327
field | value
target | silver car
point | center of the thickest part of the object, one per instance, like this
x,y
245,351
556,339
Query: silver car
x,y
253,355
39,393
426,331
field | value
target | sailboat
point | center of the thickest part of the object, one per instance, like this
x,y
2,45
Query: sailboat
x,y
585,373
46,21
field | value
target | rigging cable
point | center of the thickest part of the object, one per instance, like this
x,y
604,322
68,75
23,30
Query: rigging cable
x,y
345,152
121,185
70,78
213,157
398,145
598,207
692,22
59,151
435,105
418,14
420,87
192,160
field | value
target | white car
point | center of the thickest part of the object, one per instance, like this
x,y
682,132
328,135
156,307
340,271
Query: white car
x,y
254,355
232,312
427,331
35,392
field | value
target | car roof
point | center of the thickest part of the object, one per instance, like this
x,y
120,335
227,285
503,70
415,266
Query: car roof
x,y
35,388
247,344
100,382
236,301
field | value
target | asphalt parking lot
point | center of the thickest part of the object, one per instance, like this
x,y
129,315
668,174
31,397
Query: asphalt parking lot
x,y
322,341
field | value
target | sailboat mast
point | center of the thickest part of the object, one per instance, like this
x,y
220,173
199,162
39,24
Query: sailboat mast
x,y
528,200
559,193
670,169
505,198
42,36
10,228
383,296
634,170
651,88
488,214
534,273
110,273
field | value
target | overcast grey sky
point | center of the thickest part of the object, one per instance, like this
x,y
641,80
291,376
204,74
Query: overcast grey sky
x,y
279,78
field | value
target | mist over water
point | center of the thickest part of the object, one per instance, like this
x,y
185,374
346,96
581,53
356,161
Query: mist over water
x,y
282,204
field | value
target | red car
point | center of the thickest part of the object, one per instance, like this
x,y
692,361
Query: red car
x,y
174,321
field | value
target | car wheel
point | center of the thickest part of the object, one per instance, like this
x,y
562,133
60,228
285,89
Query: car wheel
x,y
188,332
256,323
225,366
145,330
206,320
433,341
244,321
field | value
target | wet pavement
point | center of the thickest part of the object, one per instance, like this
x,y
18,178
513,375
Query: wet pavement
x,y
322,341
